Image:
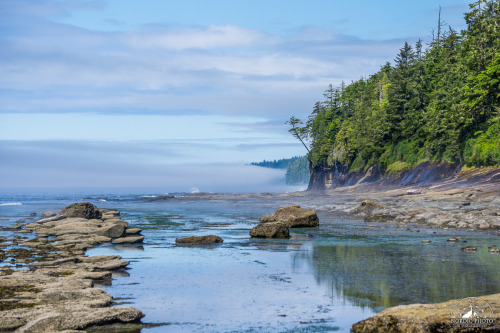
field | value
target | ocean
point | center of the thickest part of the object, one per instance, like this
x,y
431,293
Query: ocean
x,y
322,279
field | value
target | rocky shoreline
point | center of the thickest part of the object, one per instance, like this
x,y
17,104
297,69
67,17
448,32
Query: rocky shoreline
x,y
470,199
53,285
436,317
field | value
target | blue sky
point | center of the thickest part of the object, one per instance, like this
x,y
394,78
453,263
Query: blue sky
x,y
150,89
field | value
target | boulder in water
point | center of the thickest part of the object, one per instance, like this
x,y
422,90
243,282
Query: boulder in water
x,y
270,230
210,239
293,216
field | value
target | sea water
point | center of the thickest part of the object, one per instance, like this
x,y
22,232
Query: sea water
x,y
321,279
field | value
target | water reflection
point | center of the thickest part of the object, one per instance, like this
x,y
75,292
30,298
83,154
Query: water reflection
x,y
388,275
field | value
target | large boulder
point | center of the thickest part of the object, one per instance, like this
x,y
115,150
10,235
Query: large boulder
x,y
293,217
432,317
82,209
210,239
270,230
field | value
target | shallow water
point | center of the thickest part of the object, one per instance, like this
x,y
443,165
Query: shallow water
x,y
322,279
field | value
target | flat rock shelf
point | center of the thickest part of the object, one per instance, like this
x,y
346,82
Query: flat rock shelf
x,y
53,287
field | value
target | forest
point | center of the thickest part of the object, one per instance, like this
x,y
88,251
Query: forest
x,y
297,168
438,103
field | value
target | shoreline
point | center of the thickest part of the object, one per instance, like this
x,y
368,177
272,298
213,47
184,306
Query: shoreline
x,y
453,204
53,287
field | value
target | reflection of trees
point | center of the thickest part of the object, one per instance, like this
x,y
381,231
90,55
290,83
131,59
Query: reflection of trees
x,y
388,275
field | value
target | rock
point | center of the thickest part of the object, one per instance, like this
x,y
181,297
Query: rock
x,y
426,241
379,218
267,218
56,293
128,240
13,227
82,209
48,214
494,251
210,239
367,207
111,230
293,217
469,249
133,231
270,230
50,219
78,318
424,318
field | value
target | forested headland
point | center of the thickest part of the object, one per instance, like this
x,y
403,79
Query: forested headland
x,y
297,168
438,102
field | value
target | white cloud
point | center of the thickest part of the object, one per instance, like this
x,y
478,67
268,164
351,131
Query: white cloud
x,y
226,69
213,36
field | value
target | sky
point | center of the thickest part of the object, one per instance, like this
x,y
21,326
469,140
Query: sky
x,y
180,95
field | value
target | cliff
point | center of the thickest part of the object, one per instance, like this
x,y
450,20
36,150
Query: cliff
x,y
425,174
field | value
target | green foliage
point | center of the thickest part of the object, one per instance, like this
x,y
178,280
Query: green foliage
x,y
357,164
485,149
276,164
397,167
297,168
298,171
439,104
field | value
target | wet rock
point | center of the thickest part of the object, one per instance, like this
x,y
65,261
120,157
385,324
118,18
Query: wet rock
x,y
494,251
367,207
267,218
128,240
453,240
133,231
469,249
293,217
82,209
210,239
56,293
379,218
78,318
270,230
13,227
423,318
48,214
426,241
111,230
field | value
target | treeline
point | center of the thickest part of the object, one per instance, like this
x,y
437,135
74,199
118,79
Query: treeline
x,y
297,168
298,172
439,103
276,164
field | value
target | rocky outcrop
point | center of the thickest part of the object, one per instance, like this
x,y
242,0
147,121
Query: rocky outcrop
x,y
276,225
427,318
129,240
85,210
270,230
293,216
210,239
57,292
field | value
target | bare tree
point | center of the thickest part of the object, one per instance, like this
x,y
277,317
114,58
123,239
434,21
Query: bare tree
x,y
297,131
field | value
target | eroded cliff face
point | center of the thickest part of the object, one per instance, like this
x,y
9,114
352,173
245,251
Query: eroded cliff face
x,y
337,175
